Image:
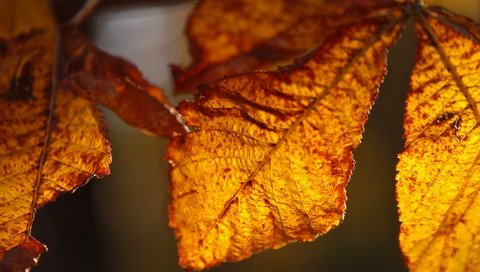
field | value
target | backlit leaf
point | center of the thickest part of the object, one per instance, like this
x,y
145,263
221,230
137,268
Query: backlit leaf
x,y
51,141
459,21
52,135
117,84
439,169
234,36
272,152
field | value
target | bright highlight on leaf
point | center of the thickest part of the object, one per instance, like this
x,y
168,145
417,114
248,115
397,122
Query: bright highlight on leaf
x,y
271,154
439,170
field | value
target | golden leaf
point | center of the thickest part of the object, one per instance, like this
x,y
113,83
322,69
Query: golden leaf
x,y
51,141
228,37
439,169
52,136
271,154
465,23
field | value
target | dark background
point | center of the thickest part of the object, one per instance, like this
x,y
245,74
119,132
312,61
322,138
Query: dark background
x,y
119,223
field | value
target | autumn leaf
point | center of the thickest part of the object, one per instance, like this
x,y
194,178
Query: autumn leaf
x,y
51,141
439,169
467,24
271,154
228,37
117,84
53,138
437,185
22,16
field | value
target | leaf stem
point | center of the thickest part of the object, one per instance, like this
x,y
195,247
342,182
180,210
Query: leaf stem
x,y
84,12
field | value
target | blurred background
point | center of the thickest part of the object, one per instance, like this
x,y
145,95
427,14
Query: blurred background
x,y
119,223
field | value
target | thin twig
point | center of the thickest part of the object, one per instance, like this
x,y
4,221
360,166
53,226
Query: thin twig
x,y
84,12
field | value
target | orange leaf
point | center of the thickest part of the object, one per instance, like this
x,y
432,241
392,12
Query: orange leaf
x,y
272,152
51,141
228,37
22,16
22,256
462,22
439,169
52,135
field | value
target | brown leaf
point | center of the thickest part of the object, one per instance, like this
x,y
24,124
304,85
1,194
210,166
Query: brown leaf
x,y
228,37
439,169
117,84
22,256
271,154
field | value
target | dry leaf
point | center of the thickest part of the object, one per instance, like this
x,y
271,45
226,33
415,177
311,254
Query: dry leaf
x,y
51,141
117,84
461,22
234,36
52,136
271,154
439,170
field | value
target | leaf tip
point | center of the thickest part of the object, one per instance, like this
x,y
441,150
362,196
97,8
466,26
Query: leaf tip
x,y
22,257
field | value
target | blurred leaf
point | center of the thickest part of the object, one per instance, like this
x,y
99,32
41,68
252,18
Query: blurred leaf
x,y
23,16
272,152
236,36
116,84
53,138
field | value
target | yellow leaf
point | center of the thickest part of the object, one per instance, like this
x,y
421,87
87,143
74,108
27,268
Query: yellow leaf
x,y
271,154
439,169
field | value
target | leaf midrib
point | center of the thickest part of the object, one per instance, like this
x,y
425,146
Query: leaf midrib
x,y
307,110
47,137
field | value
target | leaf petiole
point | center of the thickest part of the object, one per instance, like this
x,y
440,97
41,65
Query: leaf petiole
x,y
84,12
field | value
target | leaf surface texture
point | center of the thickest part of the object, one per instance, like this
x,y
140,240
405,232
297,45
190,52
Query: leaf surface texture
x,y
271,154
53,138
51,141
439,169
